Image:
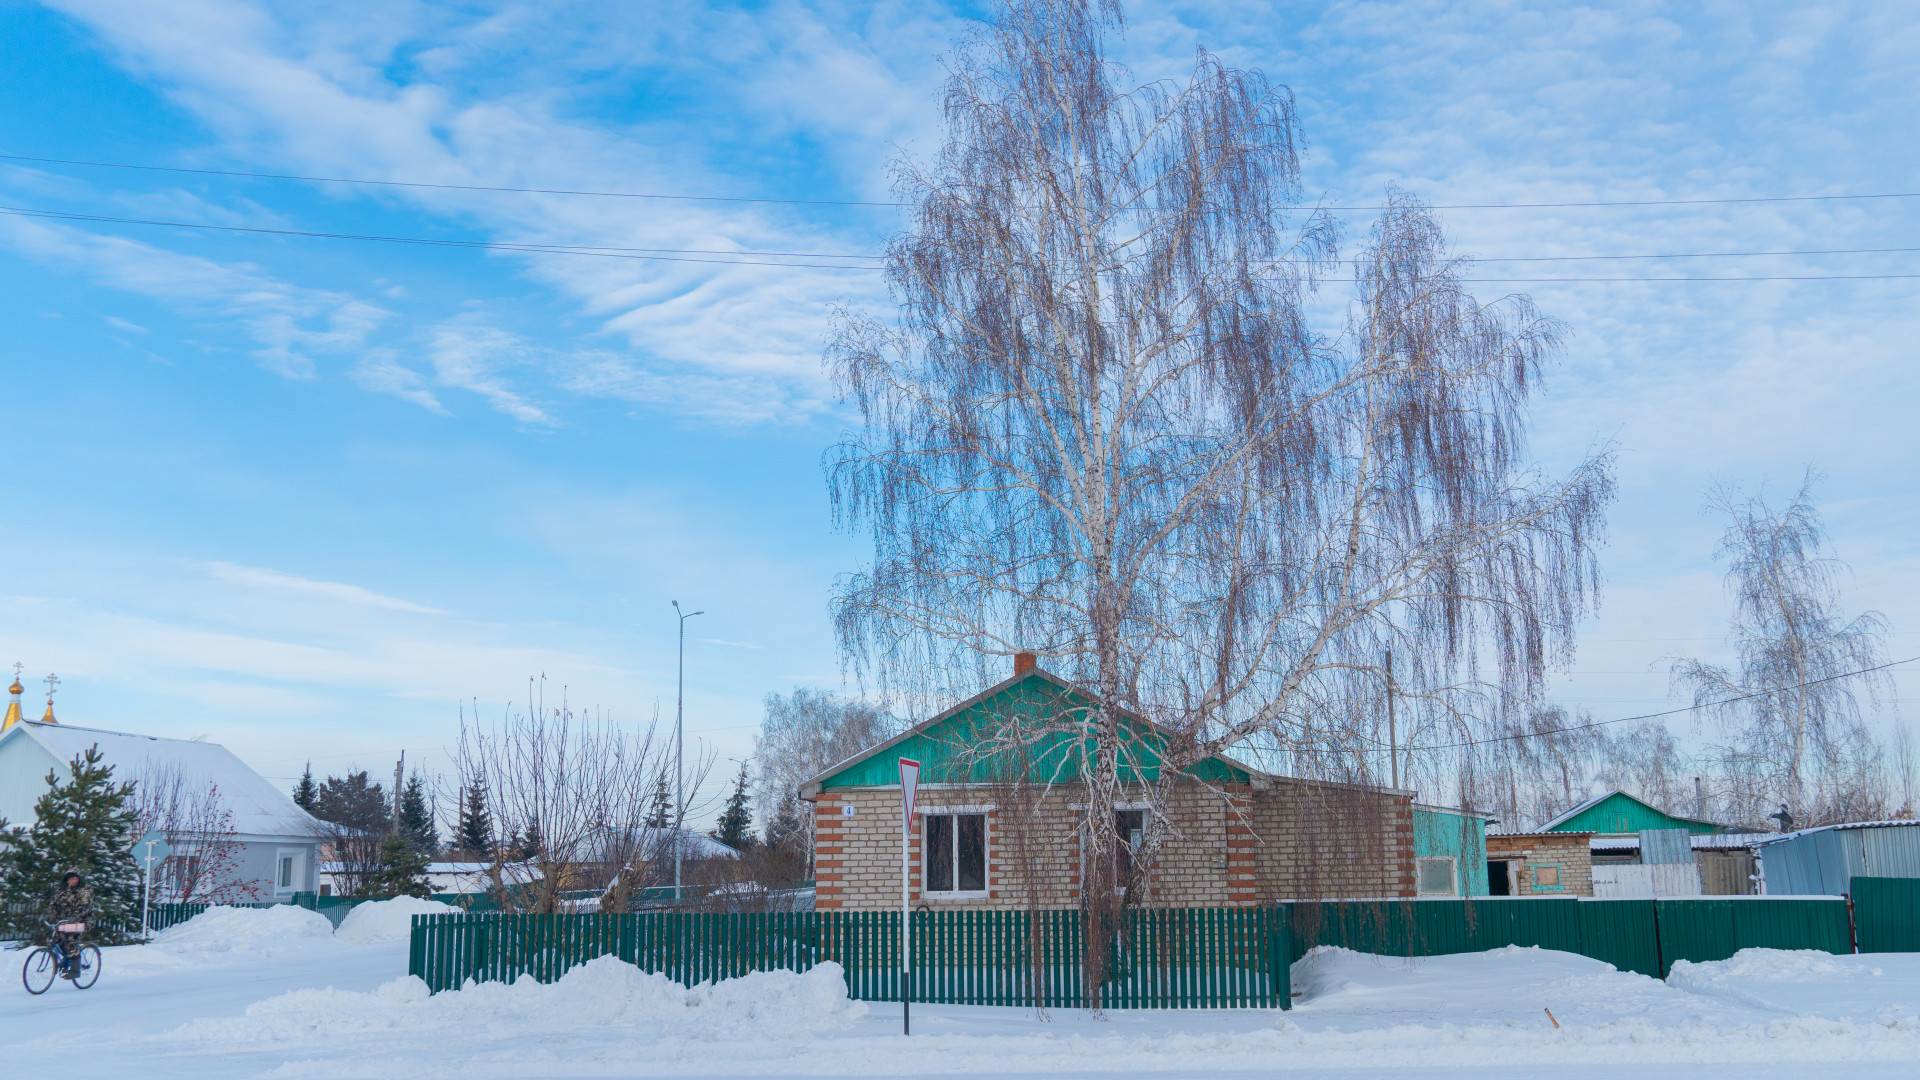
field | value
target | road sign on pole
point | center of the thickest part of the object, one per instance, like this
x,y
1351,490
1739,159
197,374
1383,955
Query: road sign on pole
x,y
909,784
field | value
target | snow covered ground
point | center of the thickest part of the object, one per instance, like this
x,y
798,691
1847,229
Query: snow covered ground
x,y
275,993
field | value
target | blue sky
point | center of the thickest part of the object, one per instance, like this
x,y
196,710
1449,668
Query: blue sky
x,y
305,496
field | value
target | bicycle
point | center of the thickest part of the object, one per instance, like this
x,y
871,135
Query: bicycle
x,y
48,961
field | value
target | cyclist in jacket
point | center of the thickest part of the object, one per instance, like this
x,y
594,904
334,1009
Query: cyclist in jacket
x,y
72,903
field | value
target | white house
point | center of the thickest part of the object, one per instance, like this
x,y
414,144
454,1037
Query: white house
x,y
278,840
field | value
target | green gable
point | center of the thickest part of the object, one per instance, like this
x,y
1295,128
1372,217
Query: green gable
x,y
942,745
1620,812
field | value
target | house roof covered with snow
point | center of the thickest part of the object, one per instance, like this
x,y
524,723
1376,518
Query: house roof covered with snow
x,y
259,808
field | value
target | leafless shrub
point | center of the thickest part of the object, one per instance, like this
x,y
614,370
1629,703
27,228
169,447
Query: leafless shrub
x,y
196,824
578,789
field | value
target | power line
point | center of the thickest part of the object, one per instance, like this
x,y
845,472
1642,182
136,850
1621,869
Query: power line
x,y
446,187
686,255
1669,712
484,245
857,202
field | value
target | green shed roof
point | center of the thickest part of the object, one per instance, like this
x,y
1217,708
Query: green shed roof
x,y
1618,812
1036,697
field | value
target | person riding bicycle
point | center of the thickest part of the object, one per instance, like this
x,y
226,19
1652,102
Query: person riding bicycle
x,y
72,903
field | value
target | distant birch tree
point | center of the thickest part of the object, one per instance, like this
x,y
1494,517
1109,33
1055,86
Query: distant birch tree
x,y
1792,700
1103,430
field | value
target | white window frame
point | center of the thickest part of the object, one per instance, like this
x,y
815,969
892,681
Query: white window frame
x,y
986,853
280,857
1453,875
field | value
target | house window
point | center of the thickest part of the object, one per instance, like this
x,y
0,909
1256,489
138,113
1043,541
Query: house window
x,y
1129,828
953,854
1546,877
286,872
1434,877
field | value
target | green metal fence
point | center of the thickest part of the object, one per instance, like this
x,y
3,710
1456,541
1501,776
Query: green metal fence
x,y
1174,958
1646,936
1886,914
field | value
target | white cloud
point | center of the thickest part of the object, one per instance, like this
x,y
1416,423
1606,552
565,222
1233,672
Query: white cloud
x,y
287,321
381,371
468,354
122,324
258,578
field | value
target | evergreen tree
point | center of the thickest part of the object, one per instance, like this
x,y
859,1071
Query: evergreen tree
x,y
661,816
354,803
476,821
735,827
530,841
402,870
788,828
416,817
89,824
306,793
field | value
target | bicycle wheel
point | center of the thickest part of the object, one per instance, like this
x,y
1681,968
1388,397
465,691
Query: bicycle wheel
x,y
39,970
89,967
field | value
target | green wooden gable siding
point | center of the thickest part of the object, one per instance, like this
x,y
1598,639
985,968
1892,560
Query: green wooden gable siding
x,y
942,747
1462,837
1621,813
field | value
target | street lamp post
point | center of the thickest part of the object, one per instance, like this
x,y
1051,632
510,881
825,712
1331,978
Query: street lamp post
x,y
679,745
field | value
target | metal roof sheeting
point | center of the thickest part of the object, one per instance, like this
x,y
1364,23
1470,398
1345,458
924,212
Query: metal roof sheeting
x,y
1827,859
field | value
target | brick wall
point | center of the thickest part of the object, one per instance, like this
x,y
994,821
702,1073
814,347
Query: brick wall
x,y
1570,851
1316,840
1233,848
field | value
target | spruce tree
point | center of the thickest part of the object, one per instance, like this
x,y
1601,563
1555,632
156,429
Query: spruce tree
x,y
402,871
306,793
88,824
476,821
661,815
735,827
416,817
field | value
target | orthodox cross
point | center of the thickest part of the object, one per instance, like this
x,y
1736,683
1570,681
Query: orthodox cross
x,y
52,681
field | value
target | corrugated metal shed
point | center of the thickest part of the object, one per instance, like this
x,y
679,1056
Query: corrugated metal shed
x,y
1659,846
1824,861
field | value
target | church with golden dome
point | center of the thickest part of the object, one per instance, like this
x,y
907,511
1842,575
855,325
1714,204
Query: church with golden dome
x,y
14,713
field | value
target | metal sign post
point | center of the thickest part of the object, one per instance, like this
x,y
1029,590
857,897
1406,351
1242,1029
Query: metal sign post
x,y
157,848
909,783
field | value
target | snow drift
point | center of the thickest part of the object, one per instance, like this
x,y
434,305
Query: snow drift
x,y
602,993
387,920
263,931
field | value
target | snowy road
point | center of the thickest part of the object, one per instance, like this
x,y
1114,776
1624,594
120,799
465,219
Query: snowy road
x,y
244,998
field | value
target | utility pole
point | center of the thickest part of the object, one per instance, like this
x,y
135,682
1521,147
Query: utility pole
x,y
399,768
679,745
1393,735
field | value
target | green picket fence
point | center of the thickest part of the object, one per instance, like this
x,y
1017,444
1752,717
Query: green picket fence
x,y
1173,958
1646,936
1886,914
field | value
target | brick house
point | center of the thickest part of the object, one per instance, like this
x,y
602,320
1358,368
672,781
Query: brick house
x,y
1540,864
993,832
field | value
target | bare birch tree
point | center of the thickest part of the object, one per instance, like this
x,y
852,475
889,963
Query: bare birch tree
x,y
1792,703
801,734
1102,429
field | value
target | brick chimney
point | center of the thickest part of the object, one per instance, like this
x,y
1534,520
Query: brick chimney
x,y
1023,662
